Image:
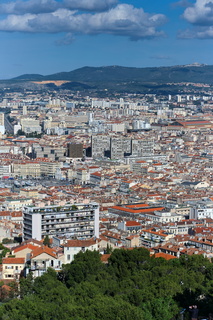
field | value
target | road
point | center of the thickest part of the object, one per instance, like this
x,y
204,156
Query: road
x,y
8,126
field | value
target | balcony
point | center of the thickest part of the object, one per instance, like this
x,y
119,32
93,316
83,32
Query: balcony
x,y
39,267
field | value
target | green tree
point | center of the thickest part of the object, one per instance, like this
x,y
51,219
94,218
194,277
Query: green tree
x,y
26,285
46,241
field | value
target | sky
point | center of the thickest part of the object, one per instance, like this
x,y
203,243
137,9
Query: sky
x,y
50,36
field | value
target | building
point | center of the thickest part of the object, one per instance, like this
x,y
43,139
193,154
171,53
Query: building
x,y
12,267
100,145
2,126
26,169
75,150
119,147
79,221
30,125
48,167
72,247
201,212
43,258
142,147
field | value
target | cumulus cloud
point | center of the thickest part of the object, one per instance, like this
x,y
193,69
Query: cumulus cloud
x,y
45,6
198,33
200,16
201,13
123,19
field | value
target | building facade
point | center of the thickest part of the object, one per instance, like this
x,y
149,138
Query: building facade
x,y
79,221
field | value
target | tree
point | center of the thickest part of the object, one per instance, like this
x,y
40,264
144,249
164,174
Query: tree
x,y
109,249
26,285
46,241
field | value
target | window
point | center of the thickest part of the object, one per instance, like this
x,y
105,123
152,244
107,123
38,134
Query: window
x,y
68,257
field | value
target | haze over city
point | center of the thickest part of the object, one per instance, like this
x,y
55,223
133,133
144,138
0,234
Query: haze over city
x,y
48,36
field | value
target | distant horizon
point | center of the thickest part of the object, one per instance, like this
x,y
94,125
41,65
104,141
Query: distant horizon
x,y
103,66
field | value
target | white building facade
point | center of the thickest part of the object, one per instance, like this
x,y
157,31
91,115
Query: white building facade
x,y
79,221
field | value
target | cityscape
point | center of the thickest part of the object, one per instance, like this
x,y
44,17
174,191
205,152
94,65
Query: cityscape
x,y
106,160
80,172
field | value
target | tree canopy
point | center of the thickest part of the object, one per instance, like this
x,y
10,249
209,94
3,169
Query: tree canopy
x,y
132,285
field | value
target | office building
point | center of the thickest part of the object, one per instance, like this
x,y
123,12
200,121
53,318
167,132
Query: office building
x,y
75,150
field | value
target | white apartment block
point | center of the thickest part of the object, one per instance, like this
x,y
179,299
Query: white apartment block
x,y
100,144
79,221
201,212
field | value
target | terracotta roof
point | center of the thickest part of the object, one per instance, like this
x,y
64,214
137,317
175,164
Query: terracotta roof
x,y
13,260
23,247
105,257
80,243
43,249
132,223
164,255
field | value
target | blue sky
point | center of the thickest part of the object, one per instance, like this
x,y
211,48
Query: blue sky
x,y
49,36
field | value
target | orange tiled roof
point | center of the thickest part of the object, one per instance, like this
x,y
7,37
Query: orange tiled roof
x,y
80,243
105,257
43,249
164,255
20,248
13,260
132,223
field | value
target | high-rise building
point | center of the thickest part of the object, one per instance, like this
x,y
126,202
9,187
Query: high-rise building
x,y
79,221
142,147
119,147
2,127
24,110
75,150
100,144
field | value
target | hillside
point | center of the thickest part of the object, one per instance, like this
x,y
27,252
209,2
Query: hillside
x,y
158,75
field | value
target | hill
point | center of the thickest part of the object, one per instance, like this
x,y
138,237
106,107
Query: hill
x,y
159,75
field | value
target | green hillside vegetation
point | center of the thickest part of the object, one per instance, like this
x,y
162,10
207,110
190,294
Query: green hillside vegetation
x,y
133,286
191,73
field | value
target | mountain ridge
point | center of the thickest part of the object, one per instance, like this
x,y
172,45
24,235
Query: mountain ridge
x,y
183,73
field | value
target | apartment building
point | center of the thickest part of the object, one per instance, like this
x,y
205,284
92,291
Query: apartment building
x,y
12,268
100,144
118,147
53,153
49,168
26,169
142,147
72,247
79,221
30,125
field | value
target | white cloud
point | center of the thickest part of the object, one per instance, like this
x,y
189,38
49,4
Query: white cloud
x,y
200,16
201,13
124,20
198,33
